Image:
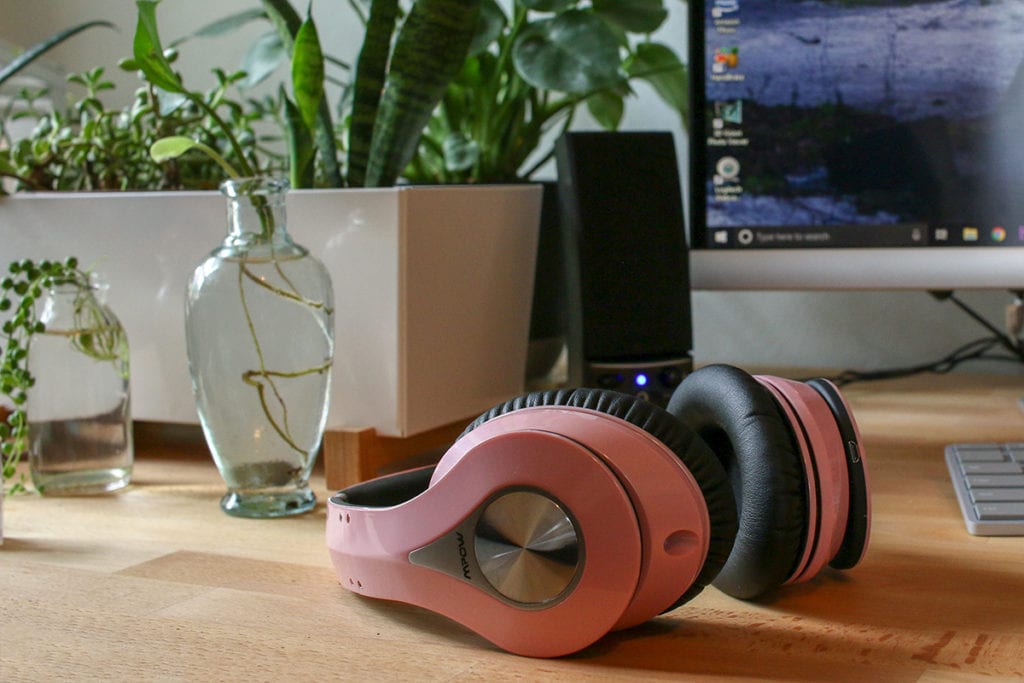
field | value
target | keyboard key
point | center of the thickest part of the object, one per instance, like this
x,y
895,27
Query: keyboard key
x,y
994,481
985,454
994,511
992,468
997,495
988,481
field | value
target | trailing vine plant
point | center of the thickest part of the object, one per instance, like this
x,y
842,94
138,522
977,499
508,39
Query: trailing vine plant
x,y
20,291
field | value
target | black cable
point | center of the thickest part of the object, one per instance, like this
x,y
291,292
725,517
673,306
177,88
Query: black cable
x,y
971,351
974,350
1003,339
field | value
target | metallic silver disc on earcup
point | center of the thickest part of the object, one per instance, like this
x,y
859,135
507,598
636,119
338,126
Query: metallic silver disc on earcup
x,y
527,547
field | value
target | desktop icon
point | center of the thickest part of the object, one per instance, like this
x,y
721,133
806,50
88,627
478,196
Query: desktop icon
x,y
728,168
729,111
998,233
725,58
722,7
970,234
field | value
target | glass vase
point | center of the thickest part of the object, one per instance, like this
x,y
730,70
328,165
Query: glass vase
x,y
260,336
79,410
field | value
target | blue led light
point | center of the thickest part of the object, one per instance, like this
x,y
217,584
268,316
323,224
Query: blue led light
x,y
641,380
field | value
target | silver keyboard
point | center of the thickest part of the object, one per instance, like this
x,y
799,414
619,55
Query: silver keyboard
x,y
989,483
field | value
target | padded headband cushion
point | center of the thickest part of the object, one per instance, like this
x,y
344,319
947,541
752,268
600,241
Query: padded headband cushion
x,y
741,422
694,454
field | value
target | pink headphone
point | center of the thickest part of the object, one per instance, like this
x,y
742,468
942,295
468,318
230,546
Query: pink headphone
x,y
560,516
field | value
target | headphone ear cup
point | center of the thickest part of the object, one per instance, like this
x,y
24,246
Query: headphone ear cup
x,y
691,451
855,539
739,420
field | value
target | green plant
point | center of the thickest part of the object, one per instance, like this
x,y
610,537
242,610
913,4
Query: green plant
x,y
441,91
19,293
408,58
402,71
530,71
151,59
430,110
90,146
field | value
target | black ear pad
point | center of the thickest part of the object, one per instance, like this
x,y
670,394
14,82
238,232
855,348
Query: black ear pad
x,y
740,421
693,452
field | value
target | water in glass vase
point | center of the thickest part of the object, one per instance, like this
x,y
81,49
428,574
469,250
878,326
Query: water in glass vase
x,y
260,354
80,437
261,380
83,455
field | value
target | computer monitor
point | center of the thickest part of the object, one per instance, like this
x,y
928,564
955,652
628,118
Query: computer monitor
x,y
875,145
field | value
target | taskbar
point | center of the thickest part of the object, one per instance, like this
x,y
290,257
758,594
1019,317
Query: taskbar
x,y
845,236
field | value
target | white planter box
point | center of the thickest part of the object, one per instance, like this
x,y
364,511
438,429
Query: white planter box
x,y
432,289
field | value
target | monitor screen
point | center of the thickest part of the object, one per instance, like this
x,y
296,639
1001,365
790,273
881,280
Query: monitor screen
x,y
864,144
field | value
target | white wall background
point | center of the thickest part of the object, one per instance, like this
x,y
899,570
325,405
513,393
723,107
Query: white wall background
x,y
864,330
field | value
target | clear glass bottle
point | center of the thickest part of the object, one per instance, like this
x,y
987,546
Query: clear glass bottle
x,y
79,410
260,336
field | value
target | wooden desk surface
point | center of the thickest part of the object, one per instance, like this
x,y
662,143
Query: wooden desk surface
x,y
157,583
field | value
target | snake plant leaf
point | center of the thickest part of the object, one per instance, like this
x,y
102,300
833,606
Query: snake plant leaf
x,y
34,52
287,23
149,53
263,58
429,52
636,16
307,72
368,84
301,153
658,65
574,52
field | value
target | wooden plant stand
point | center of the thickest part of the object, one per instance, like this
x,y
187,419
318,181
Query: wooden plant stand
x,y
352,456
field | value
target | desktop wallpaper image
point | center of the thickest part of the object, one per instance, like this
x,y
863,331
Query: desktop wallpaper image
x,y
863,112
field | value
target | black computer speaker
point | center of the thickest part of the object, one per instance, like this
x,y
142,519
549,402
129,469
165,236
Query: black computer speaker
x,y
626,262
